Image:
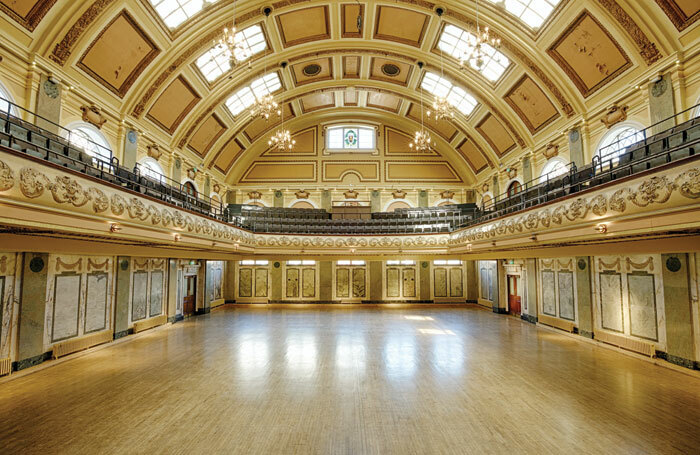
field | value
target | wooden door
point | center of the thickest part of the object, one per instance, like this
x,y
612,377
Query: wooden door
x,y
188,301
513,294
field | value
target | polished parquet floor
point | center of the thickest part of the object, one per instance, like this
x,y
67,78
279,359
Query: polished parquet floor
x,y
357,381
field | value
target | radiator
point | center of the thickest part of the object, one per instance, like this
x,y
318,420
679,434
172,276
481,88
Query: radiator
x,y
567,326
641,347
79,344
140,326
5,366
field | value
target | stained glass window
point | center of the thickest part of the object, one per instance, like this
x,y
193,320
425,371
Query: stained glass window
x,y
350,138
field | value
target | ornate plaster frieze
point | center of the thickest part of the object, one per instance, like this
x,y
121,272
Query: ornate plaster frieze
x,y
676,187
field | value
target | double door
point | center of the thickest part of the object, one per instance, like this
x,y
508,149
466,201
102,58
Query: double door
x,y
401,282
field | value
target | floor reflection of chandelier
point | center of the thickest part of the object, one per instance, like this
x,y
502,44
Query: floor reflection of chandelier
x,y
475,51
265,107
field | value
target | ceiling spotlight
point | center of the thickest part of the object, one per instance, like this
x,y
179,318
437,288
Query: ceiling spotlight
x,y
602,228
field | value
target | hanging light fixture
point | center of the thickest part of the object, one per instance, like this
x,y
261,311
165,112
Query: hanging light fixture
x,y
422,142
235,45
475,48
265,106
442,109
282,140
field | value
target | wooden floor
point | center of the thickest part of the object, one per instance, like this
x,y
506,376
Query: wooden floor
x,y
359,381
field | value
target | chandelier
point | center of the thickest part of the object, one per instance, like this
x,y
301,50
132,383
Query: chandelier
x,y
442,109
422,142
475,50
235,46
265,107
282,140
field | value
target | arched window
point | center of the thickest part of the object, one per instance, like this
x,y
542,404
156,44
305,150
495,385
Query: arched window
x,y
486,201
618,139
302,205
397,205
514,188
151,168
5,100
190,189
553,169
90,139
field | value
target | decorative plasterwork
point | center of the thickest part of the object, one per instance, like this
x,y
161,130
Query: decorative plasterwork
x,y
678,187
35,15
93,115
676,14
551,150
647,49
615,115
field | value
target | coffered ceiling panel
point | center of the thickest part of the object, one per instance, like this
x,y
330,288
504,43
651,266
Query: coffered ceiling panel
x,y
305,145
383,69
531,104
384,101
259,126
171,107
27,12
445,129
317,101
426,171
473,154
396,143
496,135
280,171
312,71
228,154
681,12
206,135
350,13
400,25
119,54
351,97
588,54
304,25
351,66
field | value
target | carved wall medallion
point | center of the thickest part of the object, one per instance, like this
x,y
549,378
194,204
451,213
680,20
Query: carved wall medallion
x,y
398,194
511,172
551,150
93,115
615,115
32,182
36,265
154,151
659,88
574,135
485,187
192,173
7,177
217,188
673,264
447,194
254,195
350,194
301,194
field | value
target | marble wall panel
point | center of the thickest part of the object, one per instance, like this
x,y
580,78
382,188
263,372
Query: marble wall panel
x,y
484,274
292,283
642,302
66,307
245,282
156,301
409,282
358,282
260,282
440,282
566,295
611,301
139,296
2,300
97,295
456,283
393,287
549,304
308,277
218,287
342,283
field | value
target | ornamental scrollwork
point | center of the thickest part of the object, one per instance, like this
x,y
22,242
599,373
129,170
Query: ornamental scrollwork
x,y
156,216
100,203
66,190
137,209
656,189
118,204
598,205
32,182
7,177
617,201
688,184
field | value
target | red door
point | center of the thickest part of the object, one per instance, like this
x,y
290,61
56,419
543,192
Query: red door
x,y
188,301
513,294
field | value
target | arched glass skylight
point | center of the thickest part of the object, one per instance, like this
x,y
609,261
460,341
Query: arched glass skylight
x,y
245,97
456,96
455,42
532,12
216,61
175,12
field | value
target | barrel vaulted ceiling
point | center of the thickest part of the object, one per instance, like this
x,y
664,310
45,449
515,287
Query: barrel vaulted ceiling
x,y
139,60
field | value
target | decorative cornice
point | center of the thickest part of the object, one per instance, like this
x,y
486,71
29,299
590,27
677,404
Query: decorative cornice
x,y
64,48
647,49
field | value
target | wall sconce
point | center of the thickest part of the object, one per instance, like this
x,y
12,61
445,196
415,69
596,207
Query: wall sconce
x,y
236,245
114,227
601,228
177,237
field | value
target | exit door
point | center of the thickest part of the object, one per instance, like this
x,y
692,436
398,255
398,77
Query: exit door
x,y
514,294
188,301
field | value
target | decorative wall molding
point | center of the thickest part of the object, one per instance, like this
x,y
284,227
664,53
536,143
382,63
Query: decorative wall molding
x,y
616,114
551,150
93,115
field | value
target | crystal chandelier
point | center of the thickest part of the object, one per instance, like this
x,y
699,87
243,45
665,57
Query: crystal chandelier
x,y
282,140
235,45
475,49
442,109
265,107
422,142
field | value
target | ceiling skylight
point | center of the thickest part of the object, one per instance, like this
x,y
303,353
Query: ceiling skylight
x,y
456,96
456,43
175,12
217,60
245,97
532,12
